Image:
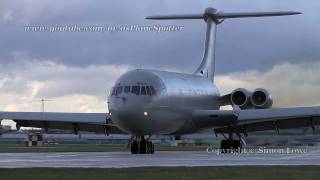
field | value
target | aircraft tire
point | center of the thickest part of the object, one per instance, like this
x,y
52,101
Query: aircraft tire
x,y
143,147
236,145
223,146
150,147
134,147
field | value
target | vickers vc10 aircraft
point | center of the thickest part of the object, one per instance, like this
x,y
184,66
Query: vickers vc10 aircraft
x,y
150,102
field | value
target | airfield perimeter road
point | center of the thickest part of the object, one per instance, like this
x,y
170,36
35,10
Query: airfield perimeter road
x,y
161,158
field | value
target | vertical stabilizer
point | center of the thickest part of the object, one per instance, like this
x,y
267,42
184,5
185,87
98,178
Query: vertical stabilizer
x,y
213,17
207,65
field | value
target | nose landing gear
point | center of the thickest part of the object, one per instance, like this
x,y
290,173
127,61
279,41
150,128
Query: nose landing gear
x,y
139,145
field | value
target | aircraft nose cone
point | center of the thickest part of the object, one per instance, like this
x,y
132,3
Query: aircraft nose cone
x,y
135,121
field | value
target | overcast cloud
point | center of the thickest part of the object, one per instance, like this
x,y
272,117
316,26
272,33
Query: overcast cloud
x,y
77,69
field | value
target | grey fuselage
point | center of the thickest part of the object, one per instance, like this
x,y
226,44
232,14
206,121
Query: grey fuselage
x,y
168,110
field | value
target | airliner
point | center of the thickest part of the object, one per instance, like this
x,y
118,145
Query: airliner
x,y
145,102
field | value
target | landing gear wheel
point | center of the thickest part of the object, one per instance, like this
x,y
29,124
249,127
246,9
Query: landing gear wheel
x,y
143,147
236,145
134,147
224,146
140,145
229,146
150,147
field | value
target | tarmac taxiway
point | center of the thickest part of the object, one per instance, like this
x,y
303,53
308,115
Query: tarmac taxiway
x,y
160,158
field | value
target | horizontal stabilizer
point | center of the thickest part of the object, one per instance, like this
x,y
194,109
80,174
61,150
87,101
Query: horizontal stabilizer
x,y
219,15
223,15
186,16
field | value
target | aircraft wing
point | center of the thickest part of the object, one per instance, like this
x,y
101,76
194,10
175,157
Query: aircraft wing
x,y
4,130
91,122
243,121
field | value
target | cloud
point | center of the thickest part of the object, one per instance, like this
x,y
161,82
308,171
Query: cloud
x,y
79,89
29,11
290,84
242,44
72,89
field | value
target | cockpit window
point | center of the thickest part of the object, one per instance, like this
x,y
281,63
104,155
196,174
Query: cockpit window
x,y
135,90
119,90
143,90
113,91
127,89
153,91
138,90
148,91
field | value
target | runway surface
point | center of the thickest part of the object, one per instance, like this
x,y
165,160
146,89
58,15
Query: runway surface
x,y
177,158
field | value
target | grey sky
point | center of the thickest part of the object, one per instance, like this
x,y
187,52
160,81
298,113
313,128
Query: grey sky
x,y
241,45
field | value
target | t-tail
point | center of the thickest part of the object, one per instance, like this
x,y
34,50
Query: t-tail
x,y
212,17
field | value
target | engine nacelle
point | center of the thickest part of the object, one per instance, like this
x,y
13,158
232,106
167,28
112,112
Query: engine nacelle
x,y
261,99
241,97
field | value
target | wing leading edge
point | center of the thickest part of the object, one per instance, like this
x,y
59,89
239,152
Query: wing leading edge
x,y
244,121
91,122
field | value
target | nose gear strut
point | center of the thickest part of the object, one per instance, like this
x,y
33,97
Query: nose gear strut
x,y
140,145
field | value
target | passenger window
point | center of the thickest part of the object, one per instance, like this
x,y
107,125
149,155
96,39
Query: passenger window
x,y
119,90
127,89
143,90
148,91
153,91
135,90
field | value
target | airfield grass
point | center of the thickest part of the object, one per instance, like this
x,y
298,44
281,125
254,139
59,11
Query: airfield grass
x,y
232,172
24,149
